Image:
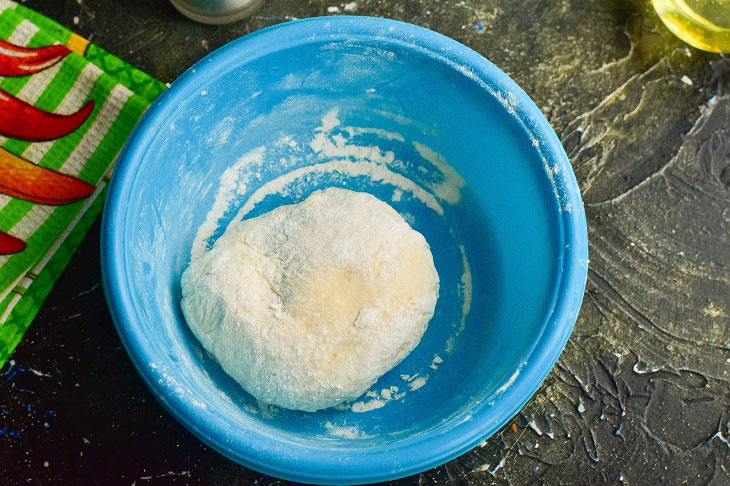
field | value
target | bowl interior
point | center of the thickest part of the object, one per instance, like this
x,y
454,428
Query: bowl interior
x,y
369,111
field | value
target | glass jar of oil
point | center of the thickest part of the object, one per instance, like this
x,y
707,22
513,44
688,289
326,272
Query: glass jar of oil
x,y
704,24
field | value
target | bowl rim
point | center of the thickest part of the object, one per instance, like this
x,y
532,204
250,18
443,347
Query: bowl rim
x,y
335,465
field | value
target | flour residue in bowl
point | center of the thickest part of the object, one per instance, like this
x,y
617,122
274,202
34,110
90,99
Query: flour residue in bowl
x,y
233,183
331,152
334,152
449,189
372,171
345,431
465,291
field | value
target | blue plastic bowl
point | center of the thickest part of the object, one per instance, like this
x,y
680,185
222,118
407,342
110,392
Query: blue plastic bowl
x,y
514,235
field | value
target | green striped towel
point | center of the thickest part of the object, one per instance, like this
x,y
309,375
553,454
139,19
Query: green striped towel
x,y
52,232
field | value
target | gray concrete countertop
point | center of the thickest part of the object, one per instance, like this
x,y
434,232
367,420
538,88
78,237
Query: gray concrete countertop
x,y
641,394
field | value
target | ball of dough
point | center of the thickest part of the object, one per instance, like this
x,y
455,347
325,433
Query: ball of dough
x,y
308,305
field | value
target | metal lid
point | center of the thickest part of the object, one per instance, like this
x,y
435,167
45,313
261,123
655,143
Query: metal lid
x,y
216,11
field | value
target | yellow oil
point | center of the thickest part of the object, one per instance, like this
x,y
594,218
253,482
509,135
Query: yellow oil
x,y
704,24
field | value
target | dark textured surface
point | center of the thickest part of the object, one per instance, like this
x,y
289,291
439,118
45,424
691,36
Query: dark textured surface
x,y
641,394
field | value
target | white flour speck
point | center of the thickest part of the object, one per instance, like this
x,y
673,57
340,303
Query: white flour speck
x,y
359,407
38,373
345,431
384,134
417,383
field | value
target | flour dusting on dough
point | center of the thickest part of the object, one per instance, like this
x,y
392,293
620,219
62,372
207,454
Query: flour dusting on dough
x,y
333,150
308,305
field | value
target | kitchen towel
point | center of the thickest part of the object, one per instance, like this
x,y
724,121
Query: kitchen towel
x,y
66,109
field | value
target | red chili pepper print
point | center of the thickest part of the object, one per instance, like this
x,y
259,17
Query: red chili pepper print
x,y
19,119
25,180
20,178
10,244
23,61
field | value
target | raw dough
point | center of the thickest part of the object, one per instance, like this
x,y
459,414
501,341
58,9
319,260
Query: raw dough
x,y
308,305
